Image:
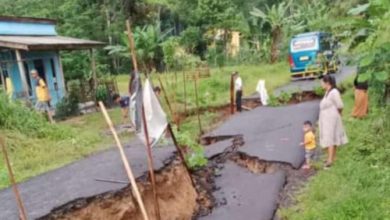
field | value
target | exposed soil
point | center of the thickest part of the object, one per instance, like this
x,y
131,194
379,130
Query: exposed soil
x,y
248,103
176,196
303,97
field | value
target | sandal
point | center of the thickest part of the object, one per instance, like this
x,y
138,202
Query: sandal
x,y
327,165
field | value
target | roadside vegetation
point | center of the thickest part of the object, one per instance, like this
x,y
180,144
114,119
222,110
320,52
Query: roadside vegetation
x,y
176,36
36,146
358,185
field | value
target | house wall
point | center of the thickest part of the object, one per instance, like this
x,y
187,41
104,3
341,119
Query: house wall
x,y
55,83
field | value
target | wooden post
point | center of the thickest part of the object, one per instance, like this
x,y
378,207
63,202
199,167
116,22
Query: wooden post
x,y
197,103
22,73
150,164
93,67
148,146
185,92
232,94
22,211
181,154
125,162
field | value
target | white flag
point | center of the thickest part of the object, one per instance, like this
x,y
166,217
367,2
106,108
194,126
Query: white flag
x,y
156,119
262,92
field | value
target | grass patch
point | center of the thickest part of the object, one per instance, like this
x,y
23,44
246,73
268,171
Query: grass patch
x,y
35,146
214,91
358,185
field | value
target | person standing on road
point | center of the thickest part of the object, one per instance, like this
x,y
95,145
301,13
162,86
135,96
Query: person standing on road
x,y
238,90
360,108
331,128
42,93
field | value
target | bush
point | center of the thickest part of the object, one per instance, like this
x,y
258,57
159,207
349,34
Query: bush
x,y
15,116
196,158
68,106
102,94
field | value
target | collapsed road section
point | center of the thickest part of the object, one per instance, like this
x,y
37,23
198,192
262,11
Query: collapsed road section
x,y
84,178
250,183
244,177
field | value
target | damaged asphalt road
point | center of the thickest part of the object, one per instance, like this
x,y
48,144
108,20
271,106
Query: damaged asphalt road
x,y
269,134
43,193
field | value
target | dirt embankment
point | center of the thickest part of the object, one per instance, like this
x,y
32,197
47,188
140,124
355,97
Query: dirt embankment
x,y
176,196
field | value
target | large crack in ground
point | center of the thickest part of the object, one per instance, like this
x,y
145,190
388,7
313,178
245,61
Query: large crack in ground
x,y
178,199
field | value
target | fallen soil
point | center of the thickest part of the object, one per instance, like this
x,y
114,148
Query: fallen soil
x,y
176,196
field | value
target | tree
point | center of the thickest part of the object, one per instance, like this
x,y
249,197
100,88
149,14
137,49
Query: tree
x,y
277,17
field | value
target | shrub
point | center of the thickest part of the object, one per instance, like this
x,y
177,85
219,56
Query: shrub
x,y
68,106
15,116
285,97
102,94
196,157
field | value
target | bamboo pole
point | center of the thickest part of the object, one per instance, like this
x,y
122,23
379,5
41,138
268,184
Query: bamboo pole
x,y
185,92
147,141
151,164
22,210
166,97
177,115
132,45
197,103
125,162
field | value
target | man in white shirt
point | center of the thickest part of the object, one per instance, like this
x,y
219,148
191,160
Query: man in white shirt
x,y
238,90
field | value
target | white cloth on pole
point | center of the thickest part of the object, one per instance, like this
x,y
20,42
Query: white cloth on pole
x,y
262,92
156,118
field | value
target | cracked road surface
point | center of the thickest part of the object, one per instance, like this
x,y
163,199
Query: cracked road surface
x,y
43,193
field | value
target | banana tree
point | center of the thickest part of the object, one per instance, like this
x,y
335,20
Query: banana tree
x,y
277,16
148,40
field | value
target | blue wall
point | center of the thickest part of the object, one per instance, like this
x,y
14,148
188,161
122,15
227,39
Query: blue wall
x,y
25,28
46,57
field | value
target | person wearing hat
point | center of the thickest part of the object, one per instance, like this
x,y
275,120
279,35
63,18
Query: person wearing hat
x,y
238,90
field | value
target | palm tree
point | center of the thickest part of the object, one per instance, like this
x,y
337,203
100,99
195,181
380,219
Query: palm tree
x,y
277,17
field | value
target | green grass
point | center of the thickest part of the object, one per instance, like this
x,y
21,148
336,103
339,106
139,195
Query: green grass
x,y
36,147
358,185
32,155
214,91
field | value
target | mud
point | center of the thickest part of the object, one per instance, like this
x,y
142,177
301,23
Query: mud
x,y
176,196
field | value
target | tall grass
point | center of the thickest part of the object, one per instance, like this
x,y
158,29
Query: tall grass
x,y
35,146
15,116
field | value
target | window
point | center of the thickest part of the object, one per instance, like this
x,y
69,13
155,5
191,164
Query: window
x,y
325,44
304,44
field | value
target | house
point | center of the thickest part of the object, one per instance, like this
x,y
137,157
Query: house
x,y
33,43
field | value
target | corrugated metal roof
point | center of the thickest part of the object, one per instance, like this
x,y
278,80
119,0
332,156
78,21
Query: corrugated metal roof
x,y
27,19
46,43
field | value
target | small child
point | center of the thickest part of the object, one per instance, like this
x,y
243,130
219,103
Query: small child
x,y
124,103
309,143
